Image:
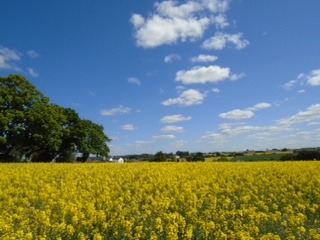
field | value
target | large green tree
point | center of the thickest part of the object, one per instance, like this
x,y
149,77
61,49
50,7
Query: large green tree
x,y
68,148
32,126
90,139
17,97
46,131
160,157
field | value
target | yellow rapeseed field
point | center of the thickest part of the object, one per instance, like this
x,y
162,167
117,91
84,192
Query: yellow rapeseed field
x,y
269,200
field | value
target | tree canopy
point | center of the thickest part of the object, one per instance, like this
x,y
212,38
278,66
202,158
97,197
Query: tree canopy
x,y
33,127
160,157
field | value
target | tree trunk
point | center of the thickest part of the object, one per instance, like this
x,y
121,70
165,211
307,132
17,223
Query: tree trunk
x,y
85,157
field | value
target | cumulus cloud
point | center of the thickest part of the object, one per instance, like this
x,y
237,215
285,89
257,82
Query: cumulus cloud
x,y
215,90
158,31
311,79
187,98
172,22
171,58
310,115
32,72
163,137
214,137
210,74
216,6
220,40
33,54
175,118
134,80
8,57
116,111
272,134
128,127
137,20
203,58
240,130
172,129
259,106
292,83
289,85
236,77
229,132
171,9
314,78
221,21
238,114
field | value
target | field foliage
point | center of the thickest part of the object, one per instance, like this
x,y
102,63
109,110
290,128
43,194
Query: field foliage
x,y
266,200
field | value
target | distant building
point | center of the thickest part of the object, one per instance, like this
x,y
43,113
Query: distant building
x,y
120,160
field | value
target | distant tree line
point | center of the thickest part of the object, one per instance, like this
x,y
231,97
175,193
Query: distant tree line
x,y
301,155
189,157
32,128
185,156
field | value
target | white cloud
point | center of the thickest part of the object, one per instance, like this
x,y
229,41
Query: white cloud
x,y
262,105
203,58
314,78
214,137
32,72
137,20
299,80
171,9
33,54
301,91
221,21
116,111
172,22
187,98
220,40
128,127
158,31
8,57
260,133
134,80
290,84
216,6
235,77
172,129
210,74
175,118
172,57
215,90
240,130
270,136
163,137
229,125
311,114
259,106
237,114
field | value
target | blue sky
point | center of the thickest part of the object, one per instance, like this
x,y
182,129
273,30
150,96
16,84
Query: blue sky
x,y
198,75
